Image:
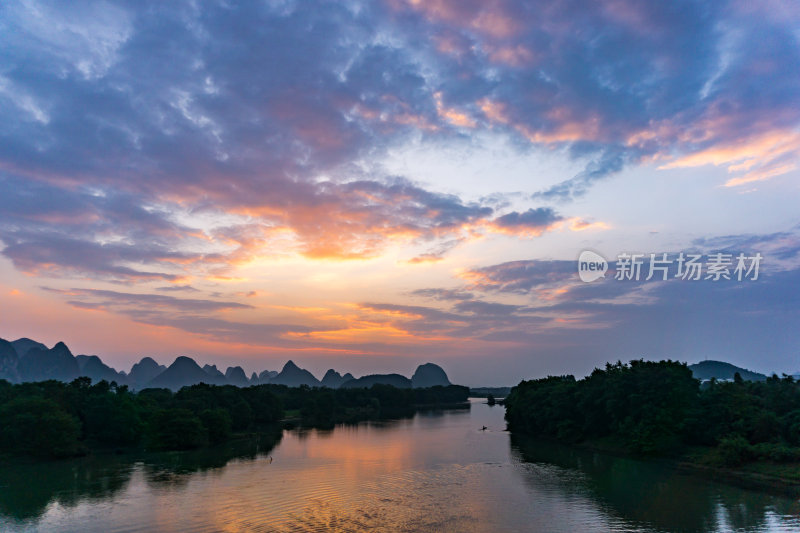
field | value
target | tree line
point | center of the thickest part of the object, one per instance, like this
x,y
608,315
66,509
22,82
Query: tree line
x,y
324,407
659,408
55,419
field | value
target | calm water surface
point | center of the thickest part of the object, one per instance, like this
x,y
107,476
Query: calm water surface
x,y
435,472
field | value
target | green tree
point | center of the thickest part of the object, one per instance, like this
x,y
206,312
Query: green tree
x,y
38,427
176,429
218,424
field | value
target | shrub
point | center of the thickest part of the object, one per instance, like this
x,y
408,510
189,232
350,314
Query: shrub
x,y
734,450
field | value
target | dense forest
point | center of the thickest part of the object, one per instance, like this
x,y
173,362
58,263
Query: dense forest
x,y
658,408
57,419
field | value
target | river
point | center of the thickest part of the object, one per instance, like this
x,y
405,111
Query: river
x,y
435,472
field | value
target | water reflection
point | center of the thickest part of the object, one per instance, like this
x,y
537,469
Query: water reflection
x,y
651,494
176,468
436,471
27,489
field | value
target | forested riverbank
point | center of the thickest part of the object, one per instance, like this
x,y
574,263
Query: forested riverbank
x,y
657,409
53,419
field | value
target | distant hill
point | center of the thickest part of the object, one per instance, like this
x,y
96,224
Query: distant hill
x,y
334,380
93,367
267,375
143,372
395,380
28,360
236,376
429,375
294,376
42,364
8,361
484,392
24,345
718,369
212,370
183,373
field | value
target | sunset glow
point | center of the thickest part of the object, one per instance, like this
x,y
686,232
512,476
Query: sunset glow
x,y
368,186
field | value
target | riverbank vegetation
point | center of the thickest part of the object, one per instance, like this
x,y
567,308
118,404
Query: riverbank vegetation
x,y
324,407
53,419
659,409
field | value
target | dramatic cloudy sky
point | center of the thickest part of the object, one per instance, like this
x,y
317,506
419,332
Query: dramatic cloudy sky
x,y
371,185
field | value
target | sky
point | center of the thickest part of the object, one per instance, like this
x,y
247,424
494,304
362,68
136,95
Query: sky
x,y
372,185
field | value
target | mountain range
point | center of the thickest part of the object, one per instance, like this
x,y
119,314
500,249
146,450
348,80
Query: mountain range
x,y
28,360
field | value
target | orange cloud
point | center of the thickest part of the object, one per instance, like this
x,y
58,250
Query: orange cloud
x,y
524,232
513,55
452,115
491,18
579,224
565,128
760,175
758,157
398,112
451,44
362,332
